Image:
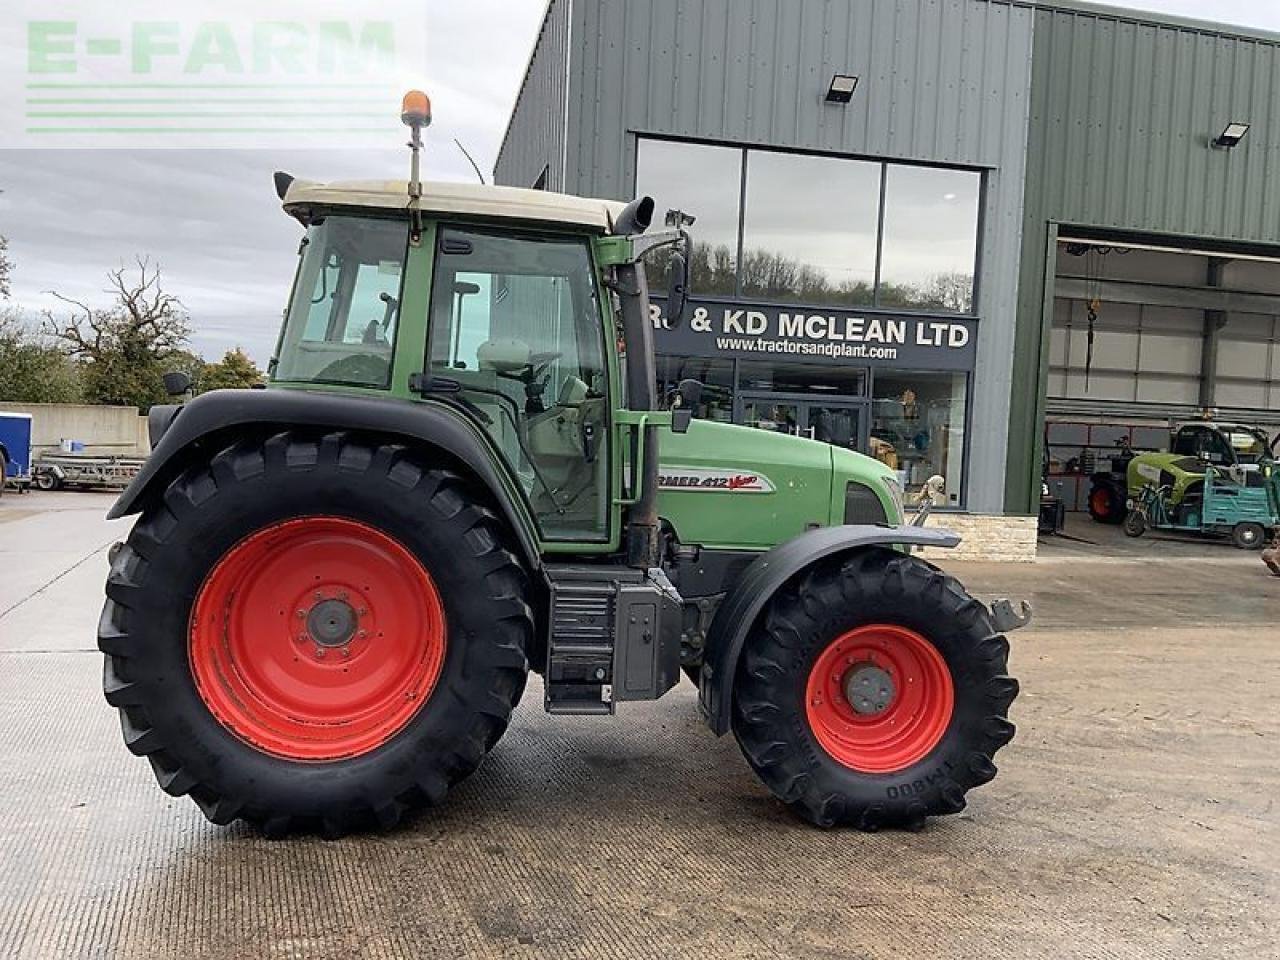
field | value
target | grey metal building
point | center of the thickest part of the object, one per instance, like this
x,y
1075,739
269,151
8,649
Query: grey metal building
x,y
881,267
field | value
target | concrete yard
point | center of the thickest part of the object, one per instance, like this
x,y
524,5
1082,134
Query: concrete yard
x,y
1135,814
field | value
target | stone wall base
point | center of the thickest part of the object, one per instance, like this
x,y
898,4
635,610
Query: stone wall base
x,y
986,537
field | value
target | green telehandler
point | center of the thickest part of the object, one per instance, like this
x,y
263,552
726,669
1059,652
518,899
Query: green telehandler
x,y
336,587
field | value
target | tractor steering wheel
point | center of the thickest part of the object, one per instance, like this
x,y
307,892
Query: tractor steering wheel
x,y
532,375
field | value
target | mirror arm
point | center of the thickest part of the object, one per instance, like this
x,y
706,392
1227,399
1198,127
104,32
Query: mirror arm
x,y
645,243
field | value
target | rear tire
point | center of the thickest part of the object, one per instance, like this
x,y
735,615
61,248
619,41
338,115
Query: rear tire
x,y
864,772
1249,536
267,766
1135,524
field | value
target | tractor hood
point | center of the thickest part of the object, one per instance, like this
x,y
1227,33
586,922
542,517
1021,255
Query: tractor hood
x,y
741,488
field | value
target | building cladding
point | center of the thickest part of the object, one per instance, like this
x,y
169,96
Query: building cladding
x,y
1123,107
1070,114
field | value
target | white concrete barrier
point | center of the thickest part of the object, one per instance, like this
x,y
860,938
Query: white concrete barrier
x,y
102,429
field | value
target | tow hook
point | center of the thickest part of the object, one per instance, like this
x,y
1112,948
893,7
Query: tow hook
x,y
1006,619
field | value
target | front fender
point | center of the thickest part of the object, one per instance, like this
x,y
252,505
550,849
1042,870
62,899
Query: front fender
x,y
221,415
763,579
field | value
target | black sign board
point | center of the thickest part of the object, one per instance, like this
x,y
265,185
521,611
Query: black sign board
x,y
818,334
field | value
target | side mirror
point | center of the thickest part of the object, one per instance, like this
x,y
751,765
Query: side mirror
x,y
677,289
176,383
688,396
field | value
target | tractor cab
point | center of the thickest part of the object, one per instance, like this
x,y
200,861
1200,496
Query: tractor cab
x,y
494,306
1234,449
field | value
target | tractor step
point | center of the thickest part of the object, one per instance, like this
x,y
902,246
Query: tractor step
x,y
615,635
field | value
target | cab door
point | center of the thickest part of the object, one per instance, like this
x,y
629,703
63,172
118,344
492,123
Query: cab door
x,y
514,320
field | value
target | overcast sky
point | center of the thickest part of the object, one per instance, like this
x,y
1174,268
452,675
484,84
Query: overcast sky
x,y
211,219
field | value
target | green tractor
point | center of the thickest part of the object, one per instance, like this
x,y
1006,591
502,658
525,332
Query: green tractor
x,y
337,586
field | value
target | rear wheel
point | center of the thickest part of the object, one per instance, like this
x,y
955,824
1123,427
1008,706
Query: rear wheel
x,y
1135,524
1105,504
44,480
873,693
1249,536
315,633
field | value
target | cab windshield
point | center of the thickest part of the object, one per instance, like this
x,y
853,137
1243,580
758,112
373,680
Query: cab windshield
x,y
341,324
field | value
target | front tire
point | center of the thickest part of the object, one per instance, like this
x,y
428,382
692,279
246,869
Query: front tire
x,y
315,633
873,693
1135,524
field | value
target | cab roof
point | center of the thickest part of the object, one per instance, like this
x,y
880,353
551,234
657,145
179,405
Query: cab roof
x,y
505,203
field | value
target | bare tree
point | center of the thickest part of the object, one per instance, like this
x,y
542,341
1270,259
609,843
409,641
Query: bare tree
x,y
124,347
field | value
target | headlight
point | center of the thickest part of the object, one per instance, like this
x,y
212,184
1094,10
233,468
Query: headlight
x,y
892,485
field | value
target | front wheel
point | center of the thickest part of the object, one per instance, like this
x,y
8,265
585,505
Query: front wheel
x,y
873,693
1135,523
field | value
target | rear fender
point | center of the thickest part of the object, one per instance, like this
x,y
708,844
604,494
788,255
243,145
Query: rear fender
x,y
765,576
219,417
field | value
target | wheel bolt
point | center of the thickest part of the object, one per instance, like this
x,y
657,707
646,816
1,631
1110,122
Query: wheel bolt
x,y
363,634
319,595
319,653
302,638
302,614
346,651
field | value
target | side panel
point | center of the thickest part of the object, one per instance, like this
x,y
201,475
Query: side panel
x,y
740,488
763,579
224,414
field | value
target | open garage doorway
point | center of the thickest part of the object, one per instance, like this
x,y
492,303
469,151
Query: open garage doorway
x,y
1149,336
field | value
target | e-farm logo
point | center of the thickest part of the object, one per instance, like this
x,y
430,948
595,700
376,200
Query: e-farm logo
x,y
232,74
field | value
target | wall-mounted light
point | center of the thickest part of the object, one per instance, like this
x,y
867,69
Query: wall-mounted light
x,y
1232,135
841,89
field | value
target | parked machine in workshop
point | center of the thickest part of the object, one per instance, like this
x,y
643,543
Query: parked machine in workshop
x,y
1181,494
337,586
1237,451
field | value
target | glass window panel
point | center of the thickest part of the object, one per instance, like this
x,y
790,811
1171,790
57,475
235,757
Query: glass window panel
x,y
703,181
826,380
930,239
716,377
917,427
341,324
809,233
514,323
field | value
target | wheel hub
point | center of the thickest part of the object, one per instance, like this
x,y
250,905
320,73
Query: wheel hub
x,y
869,689
332,623
879,698
317,638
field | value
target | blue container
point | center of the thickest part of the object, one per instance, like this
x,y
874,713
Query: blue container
x,y
15,443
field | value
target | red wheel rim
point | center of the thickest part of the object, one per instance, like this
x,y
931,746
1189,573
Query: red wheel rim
x,y
879,698
1101,503
317,639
